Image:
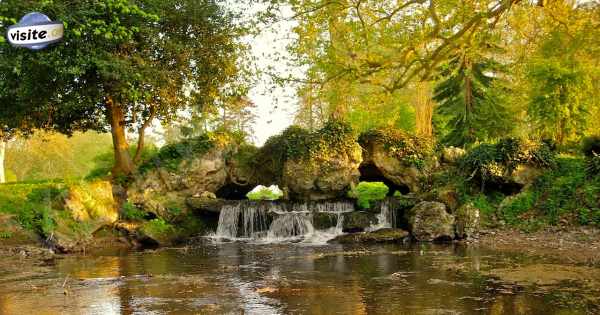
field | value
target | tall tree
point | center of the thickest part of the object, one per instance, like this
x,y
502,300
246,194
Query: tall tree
x,y
123,64
469,99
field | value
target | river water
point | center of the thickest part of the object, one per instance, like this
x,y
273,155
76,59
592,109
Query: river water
x,y
241,278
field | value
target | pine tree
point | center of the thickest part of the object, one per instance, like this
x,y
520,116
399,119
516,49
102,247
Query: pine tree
x,y
470,101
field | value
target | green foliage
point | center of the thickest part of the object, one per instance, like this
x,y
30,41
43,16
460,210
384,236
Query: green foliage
x,y
491,162
593,165
558,104
158,226
296,143
171,155
104,162
470,101
131,212
5,234
264,194
411,149
366,192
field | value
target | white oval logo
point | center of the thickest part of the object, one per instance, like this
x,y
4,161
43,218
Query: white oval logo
x,y
35,31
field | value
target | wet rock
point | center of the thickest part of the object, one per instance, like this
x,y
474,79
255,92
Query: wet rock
x,y
379,236
467,221
28,252
358,221
451,155
324,176
429,221
324,220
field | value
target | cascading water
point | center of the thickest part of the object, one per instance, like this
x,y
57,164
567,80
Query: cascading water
x,y
386,217
293,222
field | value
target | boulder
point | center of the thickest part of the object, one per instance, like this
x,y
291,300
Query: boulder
x,y
451,155
325,176
428,221
379,236
467,221
358,221
204,205
449,197
200,174
395,170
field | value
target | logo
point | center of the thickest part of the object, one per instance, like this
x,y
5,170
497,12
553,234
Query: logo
x,y
35,31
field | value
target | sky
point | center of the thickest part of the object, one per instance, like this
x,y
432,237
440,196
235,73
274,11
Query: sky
x,y
275,107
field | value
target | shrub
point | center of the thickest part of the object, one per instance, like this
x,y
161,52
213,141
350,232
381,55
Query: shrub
x,y
158,227
265,193
131,212
365,192
490,162
592,167
171,155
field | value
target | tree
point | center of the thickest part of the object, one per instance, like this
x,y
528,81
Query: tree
x,y
122,64
469,100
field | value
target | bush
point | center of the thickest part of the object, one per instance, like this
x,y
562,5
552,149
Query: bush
x,y
171,155
365,192
265,193
131,212
491,162
592,167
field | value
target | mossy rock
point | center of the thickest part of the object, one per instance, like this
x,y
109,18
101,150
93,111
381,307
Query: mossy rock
x,y
467,221
429,221
379,236
358,221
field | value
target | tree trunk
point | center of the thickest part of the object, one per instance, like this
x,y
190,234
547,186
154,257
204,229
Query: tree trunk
x,y
123,162
424,109
2,153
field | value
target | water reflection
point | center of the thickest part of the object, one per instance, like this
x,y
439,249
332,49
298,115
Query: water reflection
x,y
239,278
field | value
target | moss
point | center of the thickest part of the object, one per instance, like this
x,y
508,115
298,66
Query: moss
x,y
265,193
366,192
296,143
410,149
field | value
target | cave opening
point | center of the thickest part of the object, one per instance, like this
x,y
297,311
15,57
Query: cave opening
x,y
370,173
233,191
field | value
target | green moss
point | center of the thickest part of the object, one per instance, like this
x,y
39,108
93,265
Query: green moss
x,y
366,192
264,194
405,147
131,212
489,162
296,143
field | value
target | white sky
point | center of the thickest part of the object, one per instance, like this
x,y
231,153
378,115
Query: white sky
x,y
275,106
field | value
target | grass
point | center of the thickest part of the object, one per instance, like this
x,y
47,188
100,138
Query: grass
x,y
366,192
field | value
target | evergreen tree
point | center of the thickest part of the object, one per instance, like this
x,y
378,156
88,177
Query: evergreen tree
x,y
470,101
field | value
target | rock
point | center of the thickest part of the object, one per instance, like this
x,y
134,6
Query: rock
x,y
91,207
358,221
467,221
207,195
204,173
324,176
379,236
324,220
206,206
525,175
449,197
429,221
451,155
395,170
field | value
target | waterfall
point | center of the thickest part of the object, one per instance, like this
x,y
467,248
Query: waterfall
x,y
386,217
254,221
291,226
291,222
